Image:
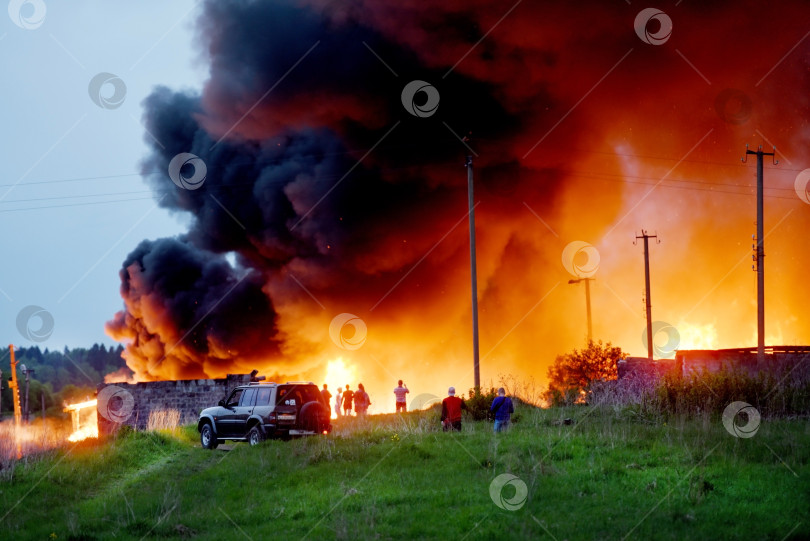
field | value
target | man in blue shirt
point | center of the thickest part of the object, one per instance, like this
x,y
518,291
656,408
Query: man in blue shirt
x,y
503,409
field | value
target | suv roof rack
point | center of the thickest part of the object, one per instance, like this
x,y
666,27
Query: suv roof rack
x,y
300,383
262,383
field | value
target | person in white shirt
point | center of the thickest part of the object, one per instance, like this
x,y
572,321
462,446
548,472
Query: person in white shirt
x,y
338,400
400,393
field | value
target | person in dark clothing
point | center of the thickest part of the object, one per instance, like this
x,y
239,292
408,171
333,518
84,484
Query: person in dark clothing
x,y
348,397
503,409
451,411
361,401
327,396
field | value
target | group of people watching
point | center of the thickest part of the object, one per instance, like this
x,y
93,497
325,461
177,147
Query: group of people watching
x,y
346,398
452,406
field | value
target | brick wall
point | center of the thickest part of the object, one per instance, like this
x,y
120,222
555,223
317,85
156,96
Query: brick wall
x,y
156,398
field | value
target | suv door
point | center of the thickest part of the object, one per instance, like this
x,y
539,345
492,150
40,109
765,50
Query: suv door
x,y
264,407
226,421
243,411
288,401
295,408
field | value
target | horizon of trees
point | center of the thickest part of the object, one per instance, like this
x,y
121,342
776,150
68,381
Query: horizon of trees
x,y
61,376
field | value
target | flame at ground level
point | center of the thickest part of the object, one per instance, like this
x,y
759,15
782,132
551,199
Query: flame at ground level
x,y
85,420
339,374
29,439
694,336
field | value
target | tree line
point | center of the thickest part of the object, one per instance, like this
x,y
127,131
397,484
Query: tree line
x,y
67,375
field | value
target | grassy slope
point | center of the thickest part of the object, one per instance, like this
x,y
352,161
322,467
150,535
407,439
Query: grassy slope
x,y
596,479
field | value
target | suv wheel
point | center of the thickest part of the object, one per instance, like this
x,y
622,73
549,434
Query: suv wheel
x,y
255,436
314,417
207,438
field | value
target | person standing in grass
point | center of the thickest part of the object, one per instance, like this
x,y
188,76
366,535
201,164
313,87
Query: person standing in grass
x,y
339,401
361,401
327,396
348,397
399,394
451,411
503,409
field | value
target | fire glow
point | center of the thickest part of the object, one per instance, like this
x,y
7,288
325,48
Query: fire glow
x,y
84,418
388,242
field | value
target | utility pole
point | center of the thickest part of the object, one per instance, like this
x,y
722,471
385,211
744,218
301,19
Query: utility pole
x,y
473,271
27,409
587,303
15,395
646,238
760,253
15,389
24,370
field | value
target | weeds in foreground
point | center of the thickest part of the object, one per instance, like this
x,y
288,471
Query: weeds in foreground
x,y
782,392
31,441
601,475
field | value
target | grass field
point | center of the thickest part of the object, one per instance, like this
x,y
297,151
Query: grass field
x,y
607,475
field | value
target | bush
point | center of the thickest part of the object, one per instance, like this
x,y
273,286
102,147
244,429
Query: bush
x,y
479,403
571,374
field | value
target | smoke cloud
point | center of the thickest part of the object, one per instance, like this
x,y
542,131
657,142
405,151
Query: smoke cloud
x,y
324,195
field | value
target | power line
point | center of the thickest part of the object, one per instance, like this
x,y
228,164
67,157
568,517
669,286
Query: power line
x,y
579,174
78,204
74,197
78,179
572,173
283,159
662,185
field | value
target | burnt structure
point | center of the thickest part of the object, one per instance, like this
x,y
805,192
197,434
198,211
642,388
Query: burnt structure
x,y
688,362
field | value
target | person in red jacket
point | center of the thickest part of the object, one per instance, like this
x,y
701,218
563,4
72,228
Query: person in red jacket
x,y
451,411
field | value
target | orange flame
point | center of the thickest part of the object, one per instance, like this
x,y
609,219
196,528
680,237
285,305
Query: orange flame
x,y
85,420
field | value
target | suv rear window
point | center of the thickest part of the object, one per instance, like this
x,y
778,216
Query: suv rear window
x,y
297,395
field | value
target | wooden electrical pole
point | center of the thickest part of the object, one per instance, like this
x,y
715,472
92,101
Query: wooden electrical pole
x,y
587,303
15,389
26,408
15,394
646,238
760,253
473,271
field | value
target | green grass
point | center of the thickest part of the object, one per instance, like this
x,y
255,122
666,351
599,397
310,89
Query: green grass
x,y
603,477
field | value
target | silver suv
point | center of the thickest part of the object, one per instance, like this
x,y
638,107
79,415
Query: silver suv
x,y
259,411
